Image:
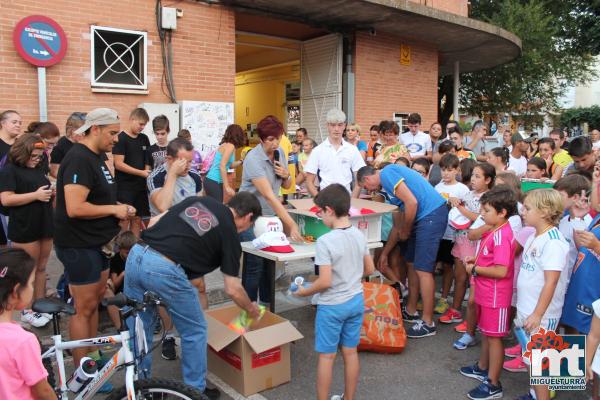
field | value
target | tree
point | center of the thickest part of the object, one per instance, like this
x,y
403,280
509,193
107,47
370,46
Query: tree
x,y
556,53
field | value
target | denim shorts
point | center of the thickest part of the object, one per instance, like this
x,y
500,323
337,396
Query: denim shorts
x,y
423,244
339,324
83,266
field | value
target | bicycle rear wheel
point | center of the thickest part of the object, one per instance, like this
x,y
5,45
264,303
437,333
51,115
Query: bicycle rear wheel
x,y
159,389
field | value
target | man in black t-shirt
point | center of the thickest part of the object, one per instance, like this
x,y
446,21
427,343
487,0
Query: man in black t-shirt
x,y
86,218
132,167
188,241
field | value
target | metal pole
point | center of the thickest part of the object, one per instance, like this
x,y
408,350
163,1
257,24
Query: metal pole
x,y
42,94
456,90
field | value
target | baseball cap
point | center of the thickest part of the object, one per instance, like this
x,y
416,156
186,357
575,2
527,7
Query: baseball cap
x,y
457,220
275,242
99,116
267,224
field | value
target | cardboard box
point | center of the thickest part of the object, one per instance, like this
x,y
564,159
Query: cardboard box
x,y
255,361
369,224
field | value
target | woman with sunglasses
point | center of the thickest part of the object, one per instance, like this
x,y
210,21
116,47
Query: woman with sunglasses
x,y
26,192
65,143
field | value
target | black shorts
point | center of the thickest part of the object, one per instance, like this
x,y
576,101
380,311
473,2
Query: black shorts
x,y
83,266
444,253
138,199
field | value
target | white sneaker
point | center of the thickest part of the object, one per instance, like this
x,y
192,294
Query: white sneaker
x,y
47,316
337,397
36,320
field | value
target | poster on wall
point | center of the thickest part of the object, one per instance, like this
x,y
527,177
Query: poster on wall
x,y
207,122
293,120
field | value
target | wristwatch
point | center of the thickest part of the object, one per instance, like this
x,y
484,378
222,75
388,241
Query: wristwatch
x,y
474,271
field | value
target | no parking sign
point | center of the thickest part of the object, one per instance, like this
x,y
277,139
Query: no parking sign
x,y
40,40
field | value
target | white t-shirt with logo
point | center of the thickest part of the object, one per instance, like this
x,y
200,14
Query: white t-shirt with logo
x,y
418,144
458,190
547,252
566,227
518,165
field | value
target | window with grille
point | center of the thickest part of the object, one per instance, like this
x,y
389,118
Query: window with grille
x,y
402,121
118,58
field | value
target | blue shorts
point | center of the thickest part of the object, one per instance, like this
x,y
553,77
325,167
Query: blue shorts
x,y
339,324
424,242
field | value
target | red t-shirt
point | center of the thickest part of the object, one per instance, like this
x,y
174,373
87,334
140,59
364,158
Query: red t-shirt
x,y
496,248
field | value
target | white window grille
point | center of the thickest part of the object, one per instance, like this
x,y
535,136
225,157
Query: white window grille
x,y
119,58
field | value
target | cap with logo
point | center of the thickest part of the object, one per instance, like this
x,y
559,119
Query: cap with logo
x,y
99,116
457,220
275,242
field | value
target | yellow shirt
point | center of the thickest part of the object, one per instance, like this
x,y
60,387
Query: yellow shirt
x,y
286,146
562,158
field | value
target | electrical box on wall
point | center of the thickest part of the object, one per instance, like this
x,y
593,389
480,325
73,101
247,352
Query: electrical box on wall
x,y
171,111
168,18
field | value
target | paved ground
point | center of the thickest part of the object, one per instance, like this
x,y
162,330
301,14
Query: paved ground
x,y
427,369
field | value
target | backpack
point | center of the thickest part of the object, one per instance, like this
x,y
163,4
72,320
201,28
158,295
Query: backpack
x,y
382,330
208,162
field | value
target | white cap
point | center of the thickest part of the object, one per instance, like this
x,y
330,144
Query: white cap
x,y
275,242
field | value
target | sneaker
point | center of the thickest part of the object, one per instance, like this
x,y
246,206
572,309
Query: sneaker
x,y
486,391
461,328
514,351
441,307
47,316
473,371
36,320
168,349
420,330
515,365
337,397
451,316
412,318
465,341
212,394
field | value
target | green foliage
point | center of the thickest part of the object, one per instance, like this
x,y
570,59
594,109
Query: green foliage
x,y
574,117
555,55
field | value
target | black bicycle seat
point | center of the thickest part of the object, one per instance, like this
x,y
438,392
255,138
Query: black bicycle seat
x,y
52,306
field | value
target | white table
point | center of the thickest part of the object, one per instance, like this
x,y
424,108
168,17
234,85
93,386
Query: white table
x,y
301,252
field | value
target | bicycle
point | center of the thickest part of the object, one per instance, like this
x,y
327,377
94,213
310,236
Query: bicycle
x,y
124,359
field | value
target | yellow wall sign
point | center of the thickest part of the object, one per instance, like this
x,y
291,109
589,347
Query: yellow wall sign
x,y
404,54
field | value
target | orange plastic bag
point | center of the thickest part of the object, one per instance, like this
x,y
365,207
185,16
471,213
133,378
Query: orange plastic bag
x,y
382,330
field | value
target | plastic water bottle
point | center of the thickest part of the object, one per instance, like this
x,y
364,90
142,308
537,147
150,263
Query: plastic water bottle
x,y
296,283
522,337
86,371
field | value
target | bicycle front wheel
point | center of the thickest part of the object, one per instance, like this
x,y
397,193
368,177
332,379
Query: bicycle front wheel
x,y
159,389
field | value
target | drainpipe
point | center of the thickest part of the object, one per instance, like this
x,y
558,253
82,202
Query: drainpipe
x,y
348,88
456,89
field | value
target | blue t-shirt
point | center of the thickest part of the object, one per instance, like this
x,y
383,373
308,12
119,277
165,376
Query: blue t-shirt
x,y
214,173
428,199
584,287
362,146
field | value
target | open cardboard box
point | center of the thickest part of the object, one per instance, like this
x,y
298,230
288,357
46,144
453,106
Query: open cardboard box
x,y
369,224
255,361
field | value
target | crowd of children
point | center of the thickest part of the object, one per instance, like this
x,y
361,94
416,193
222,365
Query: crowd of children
x,y
525,260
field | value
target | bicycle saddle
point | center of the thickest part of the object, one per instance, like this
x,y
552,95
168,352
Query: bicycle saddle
x,y
52,306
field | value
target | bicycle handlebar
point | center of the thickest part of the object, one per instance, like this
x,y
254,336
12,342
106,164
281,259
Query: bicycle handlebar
x,y
120,300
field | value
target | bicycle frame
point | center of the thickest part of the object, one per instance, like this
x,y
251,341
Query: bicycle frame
x,y
123,357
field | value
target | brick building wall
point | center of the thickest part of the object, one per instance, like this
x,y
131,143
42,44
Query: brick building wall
x,y
203,50
384,86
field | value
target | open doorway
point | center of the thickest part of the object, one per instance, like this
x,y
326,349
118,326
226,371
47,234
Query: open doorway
x,y
286,69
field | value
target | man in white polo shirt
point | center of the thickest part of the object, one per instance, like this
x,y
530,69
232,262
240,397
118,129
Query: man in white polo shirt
x,y
418,143
334,160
